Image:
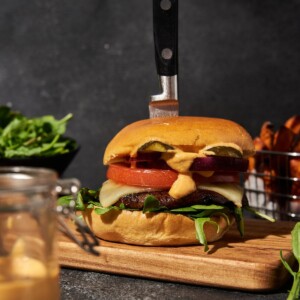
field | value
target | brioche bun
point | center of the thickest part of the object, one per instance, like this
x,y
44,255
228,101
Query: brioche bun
x,y
152,229
181,132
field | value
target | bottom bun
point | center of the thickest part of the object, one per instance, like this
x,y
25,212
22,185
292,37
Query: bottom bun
x,y
152,229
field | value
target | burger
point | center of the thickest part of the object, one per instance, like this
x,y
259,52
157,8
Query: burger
x,y
170,182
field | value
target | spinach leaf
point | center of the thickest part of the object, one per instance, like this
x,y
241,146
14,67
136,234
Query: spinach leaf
x,y
6,116
25,137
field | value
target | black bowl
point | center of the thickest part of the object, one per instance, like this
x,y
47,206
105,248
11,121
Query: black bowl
x,y
59,163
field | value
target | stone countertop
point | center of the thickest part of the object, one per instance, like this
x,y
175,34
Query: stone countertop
x,y
86,285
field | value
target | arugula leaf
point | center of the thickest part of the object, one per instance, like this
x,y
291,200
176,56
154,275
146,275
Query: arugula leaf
x,y
200,234
84,196
239,218
102,210
294,293
151,204
79,202
258,213
296,241
203,213
224,215
6,116
65,200
205,209
211,206
199,213
184,210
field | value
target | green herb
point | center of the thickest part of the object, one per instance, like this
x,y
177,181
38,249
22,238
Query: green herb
x,y
200,234
65,200
200,214
184,210
87,198
258,213
211,206
151,204
84,196
25,137
294,293
239,218
104,210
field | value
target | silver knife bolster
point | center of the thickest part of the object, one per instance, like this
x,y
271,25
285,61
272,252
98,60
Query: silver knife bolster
x,y
169,87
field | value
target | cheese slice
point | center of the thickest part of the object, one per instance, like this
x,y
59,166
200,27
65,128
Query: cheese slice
x,y
111,192
230,191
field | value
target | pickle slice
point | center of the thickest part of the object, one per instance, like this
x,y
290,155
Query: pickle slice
x,y
155,146
225,151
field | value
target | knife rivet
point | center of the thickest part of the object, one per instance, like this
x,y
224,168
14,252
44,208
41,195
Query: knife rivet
x,y
165,4
166,53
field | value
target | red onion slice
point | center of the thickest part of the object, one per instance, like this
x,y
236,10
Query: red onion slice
x,y
219,163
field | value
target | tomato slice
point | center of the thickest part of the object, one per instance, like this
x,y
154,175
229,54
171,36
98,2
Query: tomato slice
x,y
160,178
154,178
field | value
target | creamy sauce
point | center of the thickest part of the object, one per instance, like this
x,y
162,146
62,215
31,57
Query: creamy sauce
x,y
30,288
181,162
26,278
183,186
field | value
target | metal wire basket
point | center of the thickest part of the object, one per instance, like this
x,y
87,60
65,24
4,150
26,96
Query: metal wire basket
x,y
271,189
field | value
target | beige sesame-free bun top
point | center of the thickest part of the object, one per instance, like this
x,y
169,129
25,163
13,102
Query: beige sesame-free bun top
x,y
182,131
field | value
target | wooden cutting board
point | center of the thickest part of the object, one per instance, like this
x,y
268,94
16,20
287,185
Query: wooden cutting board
x,y
248,263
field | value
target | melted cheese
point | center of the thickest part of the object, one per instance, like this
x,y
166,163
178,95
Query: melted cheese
x,y
230,191
111,192
181,162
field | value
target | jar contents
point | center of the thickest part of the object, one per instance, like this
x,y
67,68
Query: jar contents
x,y
26,278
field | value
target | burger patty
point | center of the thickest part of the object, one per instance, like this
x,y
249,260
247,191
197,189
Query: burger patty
x,y
136,201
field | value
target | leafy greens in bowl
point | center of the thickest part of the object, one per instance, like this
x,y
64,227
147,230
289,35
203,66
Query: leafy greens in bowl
x,y
37,142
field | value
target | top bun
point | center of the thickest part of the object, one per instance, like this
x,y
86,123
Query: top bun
x,y
181,132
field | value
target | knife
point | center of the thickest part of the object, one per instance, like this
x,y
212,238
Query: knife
x,y
165,29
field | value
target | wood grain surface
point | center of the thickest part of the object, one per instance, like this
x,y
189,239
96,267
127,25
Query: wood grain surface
x,y
251,262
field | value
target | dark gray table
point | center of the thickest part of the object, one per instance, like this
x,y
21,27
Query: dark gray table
x,y
85,285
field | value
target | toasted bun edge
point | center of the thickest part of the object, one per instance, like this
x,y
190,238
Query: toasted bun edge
x,y
178,131
152,229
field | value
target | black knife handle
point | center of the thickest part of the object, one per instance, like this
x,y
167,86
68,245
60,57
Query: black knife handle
x,y
165,28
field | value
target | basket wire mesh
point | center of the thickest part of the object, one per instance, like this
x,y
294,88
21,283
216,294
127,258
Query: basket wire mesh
x,y
270,188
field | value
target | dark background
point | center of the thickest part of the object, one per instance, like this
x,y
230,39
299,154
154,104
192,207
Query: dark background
x,y
238,59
